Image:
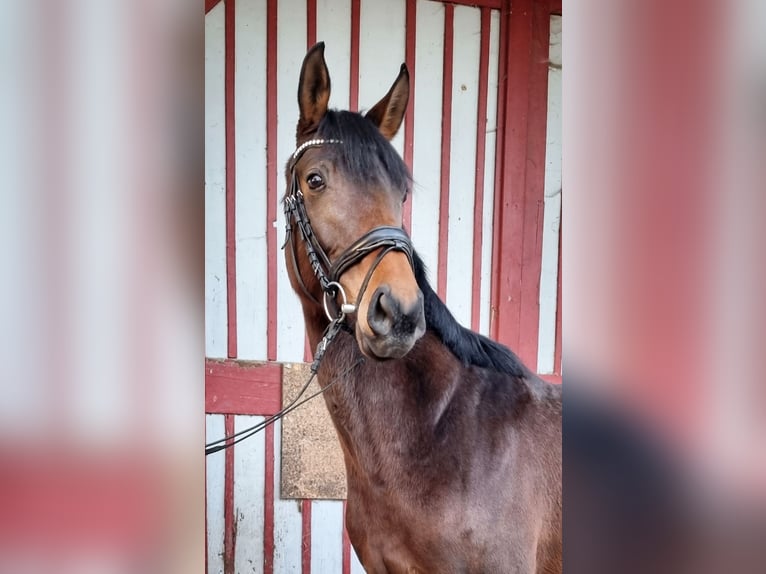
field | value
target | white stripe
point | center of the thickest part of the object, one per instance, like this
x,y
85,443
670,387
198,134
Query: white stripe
x,y
287,519
334,27
465,92
381,52
215,185
326,536
248,498
291,48
429,51
356,566
552,214
489,174
250,113
214,474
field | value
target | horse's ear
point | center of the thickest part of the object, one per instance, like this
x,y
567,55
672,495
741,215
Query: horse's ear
x,y
388,113
313,90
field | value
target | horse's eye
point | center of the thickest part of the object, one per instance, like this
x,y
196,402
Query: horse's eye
x,y
315,181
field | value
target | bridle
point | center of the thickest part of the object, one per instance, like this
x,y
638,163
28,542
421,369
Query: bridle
x,y
328,273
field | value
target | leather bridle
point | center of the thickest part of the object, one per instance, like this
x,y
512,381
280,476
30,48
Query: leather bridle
x,y
385,237
328,273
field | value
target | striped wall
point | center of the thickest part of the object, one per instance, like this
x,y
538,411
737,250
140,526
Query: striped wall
x,y
459,121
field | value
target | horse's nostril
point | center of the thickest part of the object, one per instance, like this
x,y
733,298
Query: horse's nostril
x,y
381,313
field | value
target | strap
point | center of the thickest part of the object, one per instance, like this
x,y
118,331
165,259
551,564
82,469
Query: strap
x,y
383,236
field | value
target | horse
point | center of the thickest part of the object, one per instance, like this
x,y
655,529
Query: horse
x,y
452,446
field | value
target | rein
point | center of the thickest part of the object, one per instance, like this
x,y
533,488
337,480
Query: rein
x,y
328,273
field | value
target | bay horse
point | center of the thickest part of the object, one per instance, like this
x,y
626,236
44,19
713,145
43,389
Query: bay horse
x,y
452,446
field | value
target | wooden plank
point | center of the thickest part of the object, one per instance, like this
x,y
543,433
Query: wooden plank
x,y
481,146
334,26
489,175
346,569
427,111
552,211
353,92
311,23
287,518
327,536
509,201
268,502
231,183
559,312
215,185
496,4
291,49
242,388
409,118
229,532
272,170
462,162
214,480
306,537
249,487
534,186
250,102
444,196
518,219
500,173
381,53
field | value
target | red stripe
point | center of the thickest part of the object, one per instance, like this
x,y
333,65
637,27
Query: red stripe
x,y
230,531
534,186
557,352
210,4
441,282
409,119
497,211
555,7
271,178
231,248
242,388
346,565
478,3
268,504
517,248
306,537
481,140
514,277
311,22
509,196
353,96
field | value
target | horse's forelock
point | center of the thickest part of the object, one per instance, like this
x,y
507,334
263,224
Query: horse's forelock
x,y
365,155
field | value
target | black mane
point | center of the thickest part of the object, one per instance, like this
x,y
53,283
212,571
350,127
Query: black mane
x,y
471,348
366,156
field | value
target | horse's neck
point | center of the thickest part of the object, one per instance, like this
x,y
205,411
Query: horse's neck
x,y
384,410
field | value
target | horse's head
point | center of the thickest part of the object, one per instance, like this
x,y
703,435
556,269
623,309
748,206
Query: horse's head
x,y
350,184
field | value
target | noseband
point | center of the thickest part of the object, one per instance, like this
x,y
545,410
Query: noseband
x,y
328,273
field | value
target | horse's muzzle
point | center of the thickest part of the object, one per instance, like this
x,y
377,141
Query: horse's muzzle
x,y
396,325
